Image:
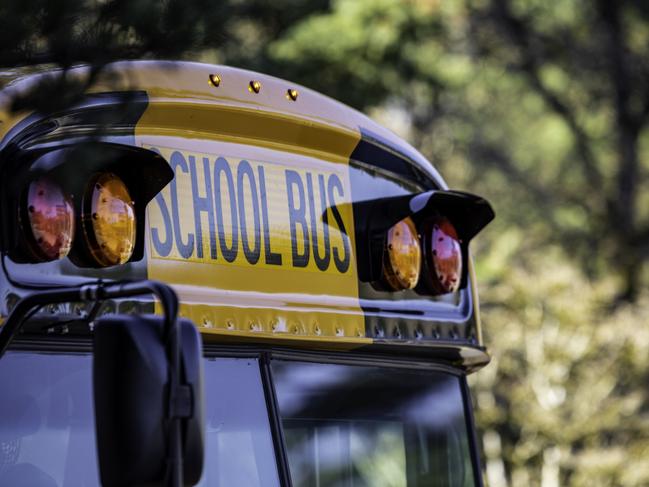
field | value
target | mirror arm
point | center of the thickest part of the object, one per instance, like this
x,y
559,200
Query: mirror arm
x,y
27,306
179,396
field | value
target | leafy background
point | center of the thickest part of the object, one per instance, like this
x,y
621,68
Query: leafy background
x,y
542,107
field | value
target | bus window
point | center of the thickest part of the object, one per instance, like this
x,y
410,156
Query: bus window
x,y
239,445
47,434
356,426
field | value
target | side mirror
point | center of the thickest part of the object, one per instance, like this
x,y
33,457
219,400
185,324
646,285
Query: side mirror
x,y
131,380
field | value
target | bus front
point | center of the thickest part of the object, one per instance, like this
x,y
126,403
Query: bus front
x,y
323,260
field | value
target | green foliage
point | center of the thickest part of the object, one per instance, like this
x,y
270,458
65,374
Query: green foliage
x,y
568,378
553,97
541,107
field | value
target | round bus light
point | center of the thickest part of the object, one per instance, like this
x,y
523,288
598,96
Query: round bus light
x,y
402,256
50,214
109,220
443,256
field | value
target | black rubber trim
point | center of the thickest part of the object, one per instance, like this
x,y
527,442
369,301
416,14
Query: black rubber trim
x,y
472,432
372,152
281,457
41,344
366,355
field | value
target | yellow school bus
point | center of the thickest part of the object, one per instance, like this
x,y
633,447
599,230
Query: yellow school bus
x,y
321,261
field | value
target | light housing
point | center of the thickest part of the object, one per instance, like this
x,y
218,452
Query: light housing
x,y
402,256
109,222
459,217
47,219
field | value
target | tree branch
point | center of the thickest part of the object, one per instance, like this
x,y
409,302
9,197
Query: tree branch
x,y
522,38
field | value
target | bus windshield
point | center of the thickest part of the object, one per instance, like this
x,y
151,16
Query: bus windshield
x,y
343,425
356,426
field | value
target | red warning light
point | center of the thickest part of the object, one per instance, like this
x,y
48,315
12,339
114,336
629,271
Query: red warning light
x,y
50,214
443,256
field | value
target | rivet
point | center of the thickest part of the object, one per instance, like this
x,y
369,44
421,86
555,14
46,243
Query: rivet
x,y
339,332
214,80
230,324
254,86
291,94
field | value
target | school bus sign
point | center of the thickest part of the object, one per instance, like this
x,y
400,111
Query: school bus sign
x,y
230,222
258,214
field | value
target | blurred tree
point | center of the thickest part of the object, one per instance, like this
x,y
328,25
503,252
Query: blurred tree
x,y
587,61
62,34
577,71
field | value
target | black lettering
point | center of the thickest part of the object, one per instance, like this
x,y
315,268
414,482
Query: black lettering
x,y
185,249
251,254
163,249
222,166
321,262
342,264
273,258
203,205
297,215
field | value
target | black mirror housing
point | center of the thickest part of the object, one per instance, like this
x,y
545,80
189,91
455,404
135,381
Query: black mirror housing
x,y
130,381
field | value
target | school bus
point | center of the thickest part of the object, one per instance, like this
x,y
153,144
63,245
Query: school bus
x,y
222,269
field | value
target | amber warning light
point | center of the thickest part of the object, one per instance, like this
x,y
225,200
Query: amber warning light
x,y
109,220
402,261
